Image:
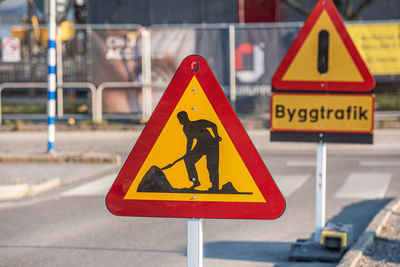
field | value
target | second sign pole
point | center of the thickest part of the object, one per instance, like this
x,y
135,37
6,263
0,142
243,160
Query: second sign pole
x,y
320,190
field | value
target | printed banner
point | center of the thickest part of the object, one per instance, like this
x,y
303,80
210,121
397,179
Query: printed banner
x,y
379,46
116,56
258,53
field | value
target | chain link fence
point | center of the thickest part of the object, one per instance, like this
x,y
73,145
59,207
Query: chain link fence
x,y
133,65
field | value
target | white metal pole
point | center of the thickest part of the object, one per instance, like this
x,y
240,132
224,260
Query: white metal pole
x,y
60,104
146,74
232,66
195,243
51,89
320,190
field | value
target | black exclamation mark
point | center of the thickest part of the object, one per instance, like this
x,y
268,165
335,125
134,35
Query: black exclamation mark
x,y
323,46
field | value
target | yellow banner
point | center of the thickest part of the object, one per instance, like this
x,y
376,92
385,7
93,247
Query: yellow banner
x,y
379,46
322,113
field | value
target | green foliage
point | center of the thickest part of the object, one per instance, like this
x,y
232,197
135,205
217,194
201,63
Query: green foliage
x,y
387,102
23,109
70,108
91,123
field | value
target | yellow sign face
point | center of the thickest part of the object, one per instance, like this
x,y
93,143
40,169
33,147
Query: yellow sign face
x,y
341,66
379,46
174,142
339,113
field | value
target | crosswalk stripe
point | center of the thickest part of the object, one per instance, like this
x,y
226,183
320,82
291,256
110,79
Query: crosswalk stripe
x,y
98,187
380,163
364,185
286,183
290,183
357,185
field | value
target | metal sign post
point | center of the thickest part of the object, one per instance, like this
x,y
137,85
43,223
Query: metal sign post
x,y
316,88
195,243
193,103
51,89
320,183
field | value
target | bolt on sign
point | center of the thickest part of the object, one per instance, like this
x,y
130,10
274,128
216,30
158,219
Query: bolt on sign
x,y
322,90
194,159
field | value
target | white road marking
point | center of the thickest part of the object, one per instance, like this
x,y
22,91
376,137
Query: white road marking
x,y
365,185
97,187
301,163
290,183
376,163
286,183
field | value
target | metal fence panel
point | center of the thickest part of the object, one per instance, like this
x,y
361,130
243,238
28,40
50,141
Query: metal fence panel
x,y
32,66
104,53
259,50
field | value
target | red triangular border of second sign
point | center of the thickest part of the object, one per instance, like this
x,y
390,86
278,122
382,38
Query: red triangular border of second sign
x,y
366,86
271,209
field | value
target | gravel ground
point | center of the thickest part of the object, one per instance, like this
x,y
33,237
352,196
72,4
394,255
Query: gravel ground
x,y
385,250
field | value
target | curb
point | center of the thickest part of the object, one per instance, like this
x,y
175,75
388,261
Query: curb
x,y
14,192
61,158
43,187
353,255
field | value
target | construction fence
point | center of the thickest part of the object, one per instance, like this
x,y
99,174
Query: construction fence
x,y
121,71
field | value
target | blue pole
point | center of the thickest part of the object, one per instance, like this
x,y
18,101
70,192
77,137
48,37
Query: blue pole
x,y
51,89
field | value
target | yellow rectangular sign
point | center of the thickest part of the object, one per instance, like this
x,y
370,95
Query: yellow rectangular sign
x,y
379,46
335,113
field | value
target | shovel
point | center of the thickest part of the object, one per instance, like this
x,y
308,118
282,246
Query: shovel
x,y
172,164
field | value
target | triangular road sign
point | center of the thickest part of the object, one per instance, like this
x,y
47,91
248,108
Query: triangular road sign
x,y
194,159
323,57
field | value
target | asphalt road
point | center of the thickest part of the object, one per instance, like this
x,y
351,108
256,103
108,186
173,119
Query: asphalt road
x,y
70,226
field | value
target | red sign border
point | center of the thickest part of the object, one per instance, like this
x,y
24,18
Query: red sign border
x,y
366,86
323,131
271,209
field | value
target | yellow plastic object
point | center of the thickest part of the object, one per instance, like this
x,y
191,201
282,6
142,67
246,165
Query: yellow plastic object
x,y
65,31
334,234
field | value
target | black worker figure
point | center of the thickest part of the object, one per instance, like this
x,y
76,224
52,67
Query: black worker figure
x,y
206,145
202,140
